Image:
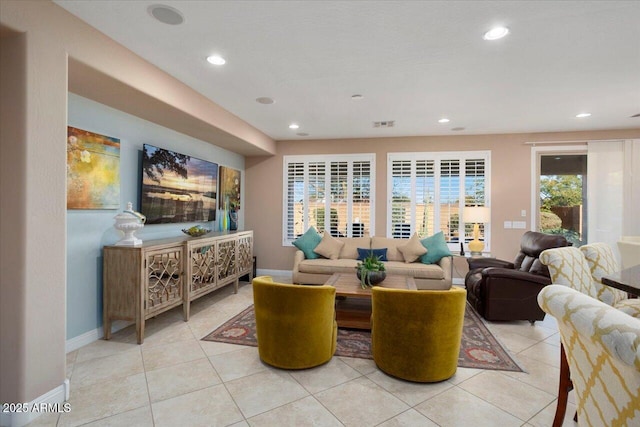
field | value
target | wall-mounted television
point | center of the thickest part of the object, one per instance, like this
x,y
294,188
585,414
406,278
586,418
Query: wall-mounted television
x,y
176,187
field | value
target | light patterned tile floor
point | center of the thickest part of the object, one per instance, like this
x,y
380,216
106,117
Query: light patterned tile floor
x,y
174,379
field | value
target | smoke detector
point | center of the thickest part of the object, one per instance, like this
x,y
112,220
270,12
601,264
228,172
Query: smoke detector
x,y
384,124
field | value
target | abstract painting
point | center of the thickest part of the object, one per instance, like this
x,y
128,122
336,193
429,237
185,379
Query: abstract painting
x,y
229,189
93,170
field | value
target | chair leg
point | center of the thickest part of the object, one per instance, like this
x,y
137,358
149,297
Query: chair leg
x,y
563,390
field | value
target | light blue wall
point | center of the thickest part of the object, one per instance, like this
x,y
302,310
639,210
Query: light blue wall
x,y
89,230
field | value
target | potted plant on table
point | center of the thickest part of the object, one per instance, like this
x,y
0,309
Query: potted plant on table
x,y
370,271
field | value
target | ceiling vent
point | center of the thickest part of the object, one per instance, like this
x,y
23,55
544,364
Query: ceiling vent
x,y
385,124
635,115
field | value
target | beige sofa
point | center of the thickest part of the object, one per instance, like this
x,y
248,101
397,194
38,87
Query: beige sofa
x,y
317,271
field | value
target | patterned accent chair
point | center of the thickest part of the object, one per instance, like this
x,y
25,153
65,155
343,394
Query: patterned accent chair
x,y
602,346
602,262
569,267
295,325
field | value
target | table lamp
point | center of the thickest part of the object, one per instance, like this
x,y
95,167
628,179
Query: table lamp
x,y
477,215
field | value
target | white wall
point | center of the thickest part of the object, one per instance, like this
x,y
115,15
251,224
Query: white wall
x,y
89,230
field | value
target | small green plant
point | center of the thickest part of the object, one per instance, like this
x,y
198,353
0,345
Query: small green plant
x,y
370,263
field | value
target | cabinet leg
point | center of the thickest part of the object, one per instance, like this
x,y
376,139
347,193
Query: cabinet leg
x,y
236,284
186,308
140,330
106,328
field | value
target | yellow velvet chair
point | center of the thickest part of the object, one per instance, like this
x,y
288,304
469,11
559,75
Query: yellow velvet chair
x,y
295,324
415,335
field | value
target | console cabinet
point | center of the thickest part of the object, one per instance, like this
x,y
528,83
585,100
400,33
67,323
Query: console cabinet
x,y
140,282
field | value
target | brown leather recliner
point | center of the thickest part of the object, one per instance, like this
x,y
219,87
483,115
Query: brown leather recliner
x,y
503,290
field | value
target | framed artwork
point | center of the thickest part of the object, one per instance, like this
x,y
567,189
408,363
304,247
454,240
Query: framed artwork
x,y
229,189
93,170
176,187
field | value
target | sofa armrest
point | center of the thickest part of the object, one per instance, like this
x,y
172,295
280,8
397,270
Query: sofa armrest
x,y
297,259
488,262
515,275
446,263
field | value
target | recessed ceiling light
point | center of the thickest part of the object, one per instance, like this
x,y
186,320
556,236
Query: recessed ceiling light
x,y
444,120
265,100
216,60
583,115
166,14
293,126
357,97
496,33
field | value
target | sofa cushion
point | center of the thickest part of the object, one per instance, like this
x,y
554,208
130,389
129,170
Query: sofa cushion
x,y
415,269
351,245
329,246
393,254
381,254
436,248
413,249
328,266
308,242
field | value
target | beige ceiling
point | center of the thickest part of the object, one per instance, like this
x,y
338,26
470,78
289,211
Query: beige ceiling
x,y
413,61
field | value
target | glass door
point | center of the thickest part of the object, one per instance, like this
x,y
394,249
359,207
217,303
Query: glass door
x,y
562,201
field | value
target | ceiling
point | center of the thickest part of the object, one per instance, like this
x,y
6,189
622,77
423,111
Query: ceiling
x,y
414,62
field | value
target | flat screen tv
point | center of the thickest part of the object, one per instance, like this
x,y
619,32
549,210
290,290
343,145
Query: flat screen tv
x,y
176,187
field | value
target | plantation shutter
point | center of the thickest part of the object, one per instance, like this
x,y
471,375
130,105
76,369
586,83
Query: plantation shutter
x,y
450,198
328,193
428,192
474,190
339,197
361,200
294,208
401,191
425,197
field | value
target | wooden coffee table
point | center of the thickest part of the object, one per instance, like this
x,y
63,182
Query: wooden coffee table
x,y
354,309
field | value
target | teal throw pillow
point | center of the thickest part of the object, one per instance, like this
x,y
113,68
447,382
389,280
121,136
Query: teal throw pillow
x,y
436,248
381,254
308,242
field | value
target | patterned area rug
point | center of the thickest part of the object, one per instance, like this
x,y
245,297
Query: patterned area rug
x,y
479,349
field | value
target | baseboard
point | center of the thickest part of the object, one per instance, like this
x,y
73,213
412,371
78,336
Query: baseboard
x,y
275,273
52,401
91,336
457,281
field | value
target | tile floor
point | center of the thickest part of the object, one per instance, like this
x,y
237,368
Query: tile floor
x,y
174,379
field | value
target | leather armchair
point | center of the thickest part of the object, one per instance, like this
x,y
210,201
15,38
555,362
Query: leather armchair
x,y
503,290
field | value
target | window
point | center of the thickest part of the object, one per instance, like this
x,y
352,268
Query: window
x,y
428,193
340,185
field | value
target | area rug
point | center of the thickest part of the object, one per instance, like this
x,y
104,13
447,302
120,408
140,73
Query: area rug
x,y
479,348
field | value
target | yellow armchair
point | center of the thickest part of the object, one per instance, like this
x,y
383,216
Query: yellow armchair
x,y
415,335
295,324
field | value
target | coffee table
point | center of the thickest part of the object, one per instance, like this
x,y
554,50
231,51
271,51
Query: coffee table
x,y
353,310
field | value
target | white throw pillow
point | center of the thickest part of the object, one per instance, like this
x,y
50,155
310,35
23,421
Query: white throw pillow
x,y
413,249
329,246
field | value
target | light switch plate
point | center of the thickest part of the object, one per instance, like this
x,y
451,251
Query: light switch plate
x,y
523,213
519,224
507,224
